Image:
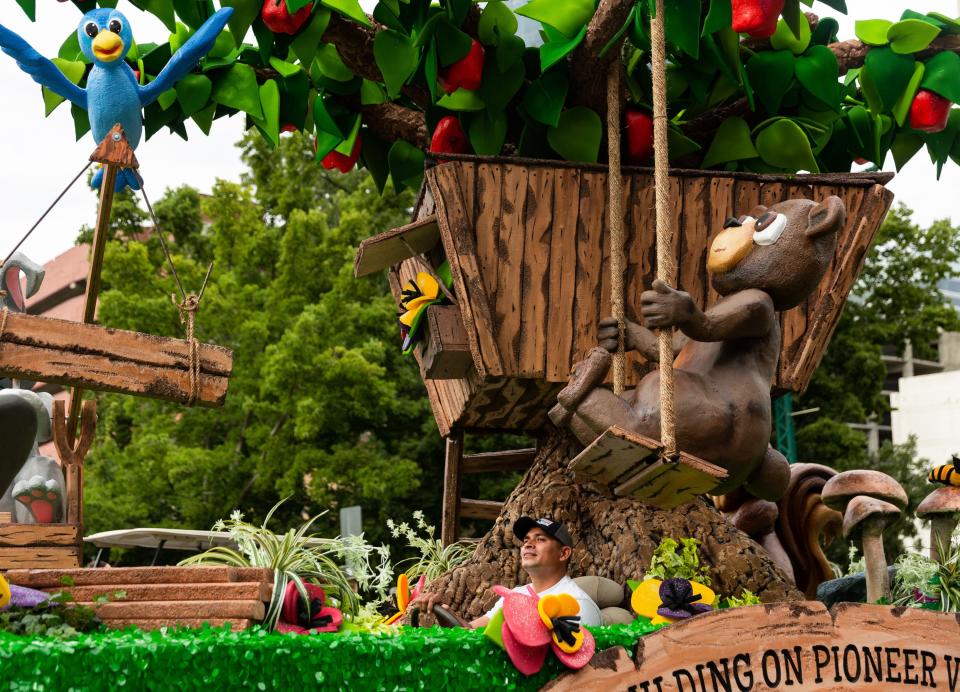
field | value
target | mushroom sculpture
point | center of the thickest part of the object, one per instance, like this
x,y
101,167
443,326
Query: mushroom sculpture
x,y
942,508
870,501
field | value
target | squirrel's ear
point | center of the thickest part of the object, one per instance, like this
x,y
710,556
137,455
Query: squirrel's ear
x,y
827,217
758,211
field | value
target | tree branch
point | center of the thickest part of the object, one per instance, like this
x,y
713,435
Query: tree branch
x,y
852,54
391,121
587,69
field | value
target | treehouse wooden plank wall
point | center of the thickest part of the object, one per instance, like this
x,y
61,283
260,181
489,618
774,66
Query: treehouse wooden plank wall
x,y
528,248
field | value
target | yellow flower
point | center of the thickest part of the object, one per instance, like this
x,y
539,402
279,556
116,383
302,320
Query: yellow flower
x,y
4,592
647,600
561,615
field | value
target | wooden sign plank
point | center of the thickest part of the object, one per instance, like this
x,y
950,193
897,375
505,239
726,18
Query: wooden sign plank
x,y
630,465
93,357
800,646
392,247
39,556
19,535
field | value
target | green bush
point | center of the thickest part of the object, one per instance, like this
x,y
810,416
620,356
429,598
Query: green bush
x,y
215,659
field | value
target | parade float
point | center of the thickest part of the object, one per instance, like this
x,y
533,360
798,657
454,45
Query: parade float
x,y
537,218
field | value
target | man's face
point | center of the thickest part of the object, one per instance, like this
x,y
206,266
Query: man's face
x,y
542,551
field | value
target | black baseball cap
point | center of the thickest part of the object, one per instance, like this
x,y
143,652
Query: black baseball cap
x,y
522,526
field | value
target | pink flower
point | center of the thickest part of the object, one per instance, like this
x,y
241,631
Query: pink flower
x,y
307,617
532,625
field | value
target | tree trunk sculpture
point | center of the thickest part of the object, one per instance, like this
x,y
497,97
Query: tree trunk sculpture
x,y
615,538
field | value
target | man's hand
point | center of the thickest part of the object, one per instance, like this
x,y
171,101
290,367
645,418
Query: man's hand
x,y
426,603
663,307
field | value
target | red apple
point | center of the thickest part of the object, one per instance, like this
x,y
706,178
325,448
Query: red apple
x,y
758,18
465,73
929,112
280,21
639,136
449,137
337,160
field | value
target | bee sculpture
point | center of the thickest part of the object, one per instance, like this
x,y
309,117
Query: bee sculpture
x,y
948,474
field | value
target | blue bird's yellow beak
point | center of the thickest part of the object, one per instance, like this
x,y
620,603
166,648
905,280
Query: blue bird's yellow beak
x,y
107,46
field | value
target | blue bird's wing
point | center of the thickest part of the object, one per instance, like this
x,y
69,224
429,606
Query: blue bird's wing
x,y
187,57
42,70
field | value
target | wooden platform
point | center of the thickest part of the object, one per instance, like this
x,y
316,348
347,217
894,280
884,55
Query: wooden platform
x,y
39,545
630,465
157,597
529,253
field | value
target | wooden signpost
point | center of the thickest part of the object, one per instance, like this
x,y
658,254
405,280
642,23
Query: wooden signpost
x,y
795,646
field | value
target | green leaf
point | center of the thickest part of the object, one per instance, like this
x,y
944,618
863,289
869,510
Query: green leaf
x,y
430,70
905,146
373,152
942,76
566,16
349,8
163,10
772,73
679,144
70,48
193,12
873,32
826,31
785,145
890,74
284,68
193,93
939,144
372,93
487,133
911,35
817,71
784,38
510,52
305,43
73,70
330,64
204,118
719,15
457,10
324,121
544,98
452,44
732,142
237,88
269,125
902,108
555,50
577,136
406,165
950,25
792,16
496,21
29,8
633,584
346,146
396,57
294,6
81,121
683,25
498,88
838,5
462,100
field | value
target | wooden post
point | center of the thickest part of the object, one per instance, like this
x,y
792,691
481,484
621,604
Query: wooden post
x,y
113,153
450,529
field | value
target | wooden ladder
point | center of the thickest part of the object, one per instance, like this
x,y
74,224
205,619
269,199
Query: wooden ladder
x,y
457,463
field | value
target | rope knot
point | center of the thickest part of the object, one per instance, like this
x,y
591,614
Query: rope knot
x,y
188,311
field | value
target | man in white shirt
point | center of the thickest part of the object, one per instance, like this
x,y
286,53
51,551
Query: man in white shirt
x,y
545,557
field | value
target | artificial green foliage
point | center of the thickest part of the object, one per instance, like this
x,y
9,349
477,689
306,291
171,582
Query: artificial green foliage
x,y
746,598
431,558
532,99
669,563
218,659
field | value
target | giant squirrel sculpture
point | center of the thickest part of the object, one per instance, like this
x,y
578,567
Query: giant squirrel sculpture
x,y
726,356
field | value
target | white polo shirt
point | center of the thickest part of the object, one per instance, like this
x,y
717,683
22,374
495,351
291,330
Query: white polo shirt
x,y
589,613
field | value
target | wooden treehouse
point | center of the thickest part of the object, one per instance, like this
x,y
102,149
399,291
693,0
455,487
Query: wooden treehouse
x,y
528,247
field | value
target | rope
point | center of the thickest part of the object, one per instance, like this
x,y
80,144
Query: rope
x,y
44,214
188,311
666,267
618,259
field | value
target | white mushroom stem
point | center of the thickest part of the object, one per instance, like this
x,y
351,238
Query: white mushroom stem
x,y
941,533
878,578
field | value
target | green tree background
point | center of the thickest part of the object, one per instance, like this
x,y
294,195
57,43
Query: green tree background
x,y
895,299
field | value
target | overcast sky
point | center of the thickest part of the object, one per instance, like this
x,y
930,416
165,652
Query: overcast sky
x,y
41,155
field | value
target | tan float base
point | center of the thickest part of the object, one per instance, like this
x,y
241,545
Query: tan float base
x,y
157,597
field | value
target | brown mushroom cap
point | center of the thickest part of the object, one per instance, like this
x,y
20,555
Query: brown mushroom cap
x,y
941,501
862,508
843,487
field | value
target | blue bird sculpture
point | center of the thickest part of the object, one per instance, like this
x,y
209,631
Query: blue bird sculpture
x,y
112,94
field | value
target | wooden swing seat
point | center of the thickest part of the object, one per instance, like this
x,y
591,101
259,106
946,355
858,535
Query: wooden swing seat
x,y
633,465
